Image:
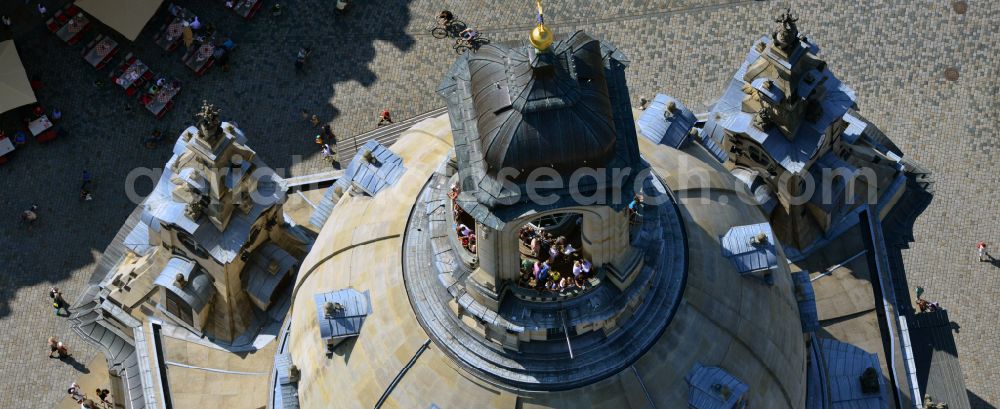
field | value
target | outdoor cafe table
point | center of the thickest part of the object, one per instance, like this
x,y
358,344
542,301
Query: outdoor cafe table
x,y
39,125
171,34
201,56
245,7
162,97
100,52
132,73
6,146
73,27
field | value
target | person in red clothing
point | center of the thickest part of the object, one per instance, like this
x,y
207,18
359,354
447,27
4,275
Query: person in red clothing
x,y
981,248
384,117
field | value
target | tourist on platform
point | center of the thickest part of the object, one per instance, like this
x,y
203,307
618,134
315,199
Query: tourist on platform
x,y
543,272
553,253
569,249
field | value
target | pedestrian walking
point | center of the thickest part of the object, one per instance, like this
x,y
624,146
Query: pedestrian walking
x,y
305,114
53,346
76,392
314,121
981,249
327,153
58,302
88,404
384,117
85,179
300,58
42,10
30,216
6,22
328,134
103,394
62,350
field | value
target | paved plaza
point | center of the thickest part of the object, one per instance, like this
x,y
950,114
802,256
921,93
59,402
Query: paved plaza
x,y
380,55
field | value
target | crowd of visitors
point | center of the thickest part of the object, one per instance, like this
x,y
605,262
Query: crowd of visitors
x,y
466,235
554,264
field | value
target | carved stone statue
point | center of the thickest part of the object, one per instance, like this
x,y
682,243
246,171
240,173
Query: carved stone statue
x,y
763,119
209,125
788,35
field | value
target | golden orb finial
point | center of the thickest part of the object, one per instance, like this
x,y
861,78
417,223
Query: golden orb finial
x,y
541,38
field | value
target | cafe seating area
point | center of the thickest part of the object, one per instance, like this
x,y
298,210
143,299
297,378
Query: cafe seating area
x,y
202,44
107,40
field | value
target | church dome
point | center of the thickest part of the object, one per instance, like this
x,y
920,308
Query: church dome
x,y
542,109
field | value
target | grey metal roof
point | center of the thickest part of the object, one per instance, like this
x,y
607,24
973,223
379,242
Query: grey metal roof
x,y
199,287
806,298
844,365
939,372
710,136
258,278
326,204
534,110
348,321
791,153
373,177
671,130
749,258
572,110
288,398
115,341
224,246
713,388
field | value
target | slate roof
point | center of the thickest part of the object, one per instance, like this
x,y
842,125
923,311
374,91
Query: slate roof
x,y
792,154
709,385
746,257
116,342
939,372
260,282
570,112
806,298
671,130
372,178
844,365
223,246
347,322
288,398
199,288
